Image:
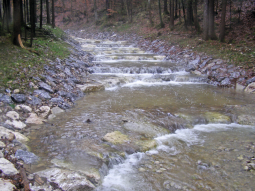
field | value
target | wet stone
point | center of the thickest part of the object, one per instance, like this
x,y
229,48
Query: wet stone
x,y
6,99
26,156
42,94
18,98
250,80
32,100
45,87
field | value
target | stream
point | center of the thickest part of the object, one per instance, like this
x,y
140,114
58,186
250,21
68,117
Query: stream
x,y
167,129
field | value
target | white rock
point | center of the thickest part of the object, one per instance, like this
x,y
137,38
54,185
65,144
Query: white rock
x,y
43,111
13,115
51,116
56,110
16,124
34,119
6,134
16,91
20,137
23,108
6,185
250,88
196,72
7,167
2,145
66,179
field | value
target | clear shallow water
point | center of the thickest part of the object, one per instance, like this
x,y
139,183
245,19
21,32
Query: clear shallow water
x,y
166,105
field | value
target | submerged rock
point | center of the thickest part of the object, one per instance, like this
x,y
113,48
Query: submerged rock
x,y
34,119
215,117
91,87
116,137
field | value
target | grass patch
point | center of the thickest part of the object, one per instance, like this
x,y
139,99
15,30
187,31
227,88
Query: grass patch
x,y
18,66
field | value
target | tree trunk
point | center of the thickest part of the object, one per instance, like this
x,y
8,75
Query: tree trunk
x,y
48,11
176,9
21,13
41,13
211,31
95,10
222,23
16,21
149,11
0,11
171,24
230,15
35,11
180,11
165,7
196,23
53,14
32,21
160,16
189,12
205,20
184,14
27,10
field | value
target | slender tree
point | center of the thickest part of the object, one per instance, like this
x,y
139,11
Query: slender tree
x,y
165,7
41,13
53,14
149,11
95,10
205,20
189,12
171,25
175,9
196,23
160,15
32,20
222,23
48,11
16,21
211,31
0,11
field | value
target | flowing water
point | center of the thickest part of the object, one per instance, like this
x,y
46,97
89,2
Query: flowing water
x,y
179,133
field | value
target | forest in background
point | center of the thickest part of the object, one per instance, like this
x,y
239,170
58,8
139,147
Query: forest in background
x,y
227,21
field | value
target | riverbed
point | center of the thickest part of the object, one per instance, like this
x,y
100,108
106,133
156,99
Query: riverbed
x,y
153,127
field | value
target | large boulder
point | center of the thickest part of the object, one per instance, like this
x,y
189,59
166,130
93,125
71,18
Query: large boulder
x,y
6,185
250,88
91,87
64,180
7,167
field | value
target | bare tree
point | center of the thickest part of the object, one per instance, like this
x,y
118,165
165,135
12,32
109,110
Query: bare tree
x,y
95,10
41,13
165,7
196,23
211,31
48,11
222,23
205,20
171,25
149,11
160,15
16,21
53,14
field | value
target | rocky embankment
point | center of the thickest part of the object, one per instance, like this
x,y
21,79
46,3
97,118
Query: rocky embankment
x,y
65,81
55,90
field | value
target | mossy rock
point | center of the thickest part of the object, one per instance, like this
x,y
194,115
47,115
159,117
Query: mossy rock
x,y
116,137
146,145
215,117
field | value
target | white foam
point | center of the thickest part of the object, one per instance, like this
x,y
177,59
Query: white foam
x,y
117,179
